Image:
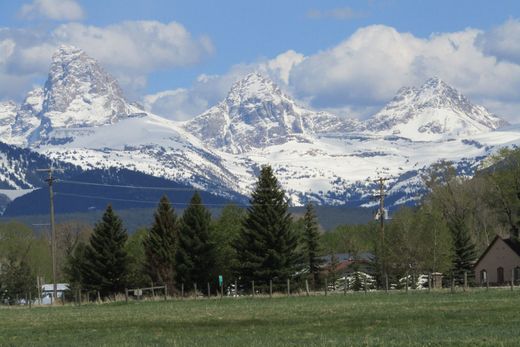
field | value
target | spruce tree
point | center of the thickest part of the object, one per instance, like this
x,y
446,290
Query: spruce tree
x,y
464,252
160,244
195,256
311,243
267,245
104,266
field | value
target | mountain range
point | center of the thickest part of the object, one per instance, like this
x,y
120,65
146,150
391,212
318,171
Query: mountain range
x,y
82,121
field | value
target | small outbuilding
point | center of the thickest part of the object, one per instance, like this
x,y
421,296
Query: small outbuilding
x,y
500,262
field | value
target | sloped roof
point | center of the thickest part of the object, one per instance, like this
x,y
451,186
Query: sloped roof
x,y
513,244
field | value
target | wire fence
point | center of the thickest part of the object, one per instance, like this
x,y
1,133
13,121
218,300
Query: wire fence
x,y
250,289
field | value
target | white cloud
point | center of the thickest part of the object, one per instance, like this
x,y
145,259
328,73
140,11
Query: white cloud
x,y
503,41
365,70
207,90
52,9
128,50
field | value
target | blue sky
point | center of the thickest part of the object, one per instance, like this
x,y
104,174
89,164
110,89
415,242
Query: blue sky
x,y
347,57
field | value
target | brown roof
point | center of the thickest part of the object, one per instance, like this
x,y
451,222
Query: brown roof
x,y
512,243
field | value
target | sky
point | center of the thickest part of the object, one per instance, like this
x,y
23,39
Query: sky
x,y
179,58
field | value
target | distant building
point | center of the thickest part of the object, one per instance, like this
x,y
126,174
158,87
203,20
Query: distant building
x,y
499,262
48,289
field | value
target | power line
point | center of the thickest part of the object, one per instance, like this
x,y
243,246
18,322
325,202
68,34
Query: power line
x,y
156,202
186,189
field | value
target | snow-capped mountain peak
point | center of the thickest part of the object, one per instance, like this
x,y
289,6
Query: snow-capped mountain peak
x,y
79,93
432,112
254,86
255,114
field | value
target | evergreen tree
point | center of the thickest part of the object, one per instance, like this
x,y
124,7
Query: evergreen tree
x,y
104,266
160,244
195,256
267,245
464,253
311,243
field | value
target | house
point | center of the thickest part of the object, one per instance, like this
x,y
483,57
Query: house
x,y
499,262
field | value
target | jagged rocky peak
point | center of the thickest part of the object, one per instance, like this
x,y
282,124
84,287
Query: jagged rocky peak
x,y
433,111
254,86
78,92
255,114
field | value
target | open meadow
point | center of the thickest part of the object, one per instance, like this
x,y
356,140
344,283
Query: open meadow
x,y
417,318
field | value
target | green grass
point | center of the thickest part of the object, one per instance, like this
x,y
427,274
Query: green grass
x,y
475,318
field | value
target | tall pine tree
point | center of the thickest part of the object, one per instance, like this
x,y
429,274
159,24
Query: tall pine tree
x,y
464,252
160,244
195,256
311,243
104,266
267,245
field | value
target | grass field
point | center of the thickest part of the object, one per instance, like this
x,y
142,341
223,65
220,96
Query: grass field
x,y
398,319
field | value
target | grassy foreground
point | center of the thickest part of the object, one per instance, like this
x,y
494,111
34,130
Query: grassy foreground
x,y
475,318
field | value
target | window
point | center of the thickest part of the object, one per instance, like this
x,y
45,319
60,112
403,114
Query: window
x,y
500,275
483,276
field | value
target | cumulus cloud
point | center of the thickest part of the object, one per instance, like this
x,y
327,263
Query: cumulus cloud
x,y
129,50
365,70
52,9
207,90
502,42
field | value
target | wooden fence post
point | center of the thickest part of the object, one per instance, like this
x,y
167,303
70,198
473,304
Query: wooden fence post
x,y
236,288
182,290
365,283
386,282
512,279
99,296
465,280
153,292
195,288
326,286
270,288
165,292
253,288
209,291
429,282
345,285
30,300
288,287
126,295
452,284
222,290
406,283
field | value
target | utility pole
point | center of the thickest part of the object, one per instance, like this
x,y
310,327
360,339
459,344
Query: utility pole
x,y
50,180
381,197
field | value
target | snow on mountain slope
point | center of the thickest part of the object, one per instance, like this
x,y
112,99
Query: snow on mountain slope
x,y
8,111
79,93
435,111
149,144
256,114
82,118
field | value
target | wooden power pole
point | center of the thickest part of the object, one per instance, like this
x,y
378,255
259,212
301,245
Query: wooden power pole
x,y
50,180
381,196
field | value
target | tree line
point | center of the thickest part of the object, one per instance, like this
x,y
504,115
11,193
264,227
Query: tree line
x,y
445,232
261,244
